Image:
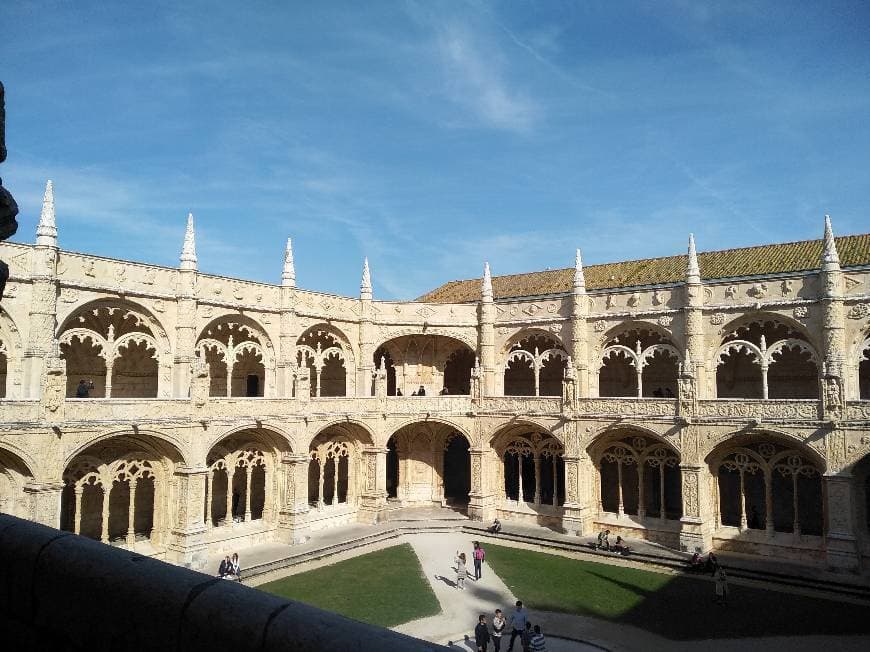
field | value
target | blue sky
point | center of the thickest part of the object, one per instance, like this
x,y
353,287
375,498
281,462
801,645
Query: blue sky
x,y
432,136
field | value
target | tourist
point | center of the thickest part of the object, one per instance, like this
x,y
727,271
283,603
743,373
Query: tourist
x,y
712,564
620,546
526,638
495,528
754,522
444,391
695,563
83,390
235,568
421,391
461,570
604,540
498,625
414,393
537,643
481,634
398,392
519,620
225,568
478,556
721,587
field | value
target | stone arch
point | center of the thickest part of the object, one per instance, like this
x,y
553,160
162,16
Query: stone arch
x,y
531,472
426,360
117,344
637,358
336,472
765,355
270,433
10,356
534,363
243,465
149,440
468,340
428,462
16,470
444,421
767,480
120,488
638,473
240,355
530,331
330,357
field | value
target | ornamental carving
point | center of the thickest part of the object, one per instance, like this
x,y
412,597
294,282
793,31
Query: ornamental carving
x,y
690,494
665,320
800,312
717,318
600,326
757,290
759,409
859,311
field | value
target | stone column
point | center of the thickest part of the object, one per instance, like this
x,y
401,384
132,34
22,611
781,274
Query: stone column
x,y
580,501
694,325
366,364
373,498
294,508
107,496
131,515
185,325
768,503
840,541
833,319
486,335
187,546
288,332
79,491
42,318
579,336
249,472
44,502
481,498
696,525
641,494
537,499
209,497
231,472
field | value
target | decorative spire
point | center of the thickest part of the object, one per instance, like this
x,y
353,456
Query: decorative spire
x,y
365,286
579,278
830,257
486,285
693,272
46,231
288,276
188,251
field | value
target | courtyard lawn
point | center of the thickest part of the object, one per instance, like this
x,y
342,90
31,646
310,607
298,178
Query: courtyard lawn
x,y
385,587
676,607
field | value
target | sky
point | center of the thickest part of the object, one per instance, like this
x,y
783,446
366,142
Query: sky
x,y
433,136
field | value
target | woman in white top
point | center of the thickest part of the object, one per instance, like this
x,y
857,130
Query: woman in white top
x,y
498,625
461,571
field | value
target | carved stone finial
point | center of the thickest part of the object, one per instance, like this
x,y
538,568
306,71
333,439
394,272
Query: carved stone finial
x,y
486,285
288,276
188,251
46,231
693,271
830,257
579,278
365,286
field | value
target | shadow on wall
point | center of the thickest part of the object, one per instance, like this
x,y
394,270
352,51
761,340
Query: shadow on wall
x,y
66,592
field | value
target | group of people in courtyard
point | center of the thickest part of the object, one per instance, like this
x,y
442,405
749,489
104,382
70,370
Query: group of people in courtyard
x,y
517,626
460,565
230,569
619,546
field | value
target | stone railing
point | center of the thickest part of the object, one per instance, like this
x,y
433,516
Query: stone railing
x,y
857,411
769,409
66,592
18,411
626,406
522,404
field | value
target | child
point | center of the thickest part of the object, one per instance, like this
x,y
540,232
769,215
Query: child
x,y
461,570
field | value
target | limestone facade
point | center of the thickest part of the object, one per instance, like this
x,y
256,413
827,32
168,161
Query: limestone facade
x,y
728,414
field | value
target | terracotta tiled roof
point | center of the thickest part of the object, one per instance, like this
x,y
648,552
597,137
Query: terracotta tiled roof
x,y
748,261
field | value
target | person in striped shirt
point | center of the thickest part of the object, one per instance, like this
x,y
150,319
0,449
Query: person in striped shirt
x,y
538,644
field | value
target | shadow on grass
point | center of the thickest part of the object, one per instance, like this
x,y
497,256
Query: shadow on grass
x,y
675,607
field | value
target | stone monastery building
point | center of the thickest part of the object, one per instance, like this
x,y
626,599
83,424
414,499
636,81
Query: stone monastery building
x,y
715,400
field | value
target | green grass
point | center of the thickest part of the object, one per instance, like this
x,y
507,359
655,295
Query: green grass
x,y
385,588
676,607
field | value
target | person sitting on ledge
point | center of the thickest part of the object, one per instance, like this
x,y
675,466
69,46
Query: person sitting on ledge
x,y
83,390
695,563
444,391
421,391
712,564
225,568
604,540
235,568
620,546
495,528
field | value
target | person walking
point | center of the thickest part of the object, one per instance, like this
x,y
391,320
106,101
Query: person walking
x,y
481,634
518,621
478,555
537,642
721,587
461,570
498,625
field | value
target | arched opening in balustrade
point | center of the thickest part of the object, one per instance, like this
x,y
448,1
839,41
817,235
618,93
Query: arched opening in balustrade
x,y
534,365
639,475
766,358
437,363
118,490
864,369
336,474
638,361
14,475
237,350
329,358
428,462
532,469
239,484
767,483
115,346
